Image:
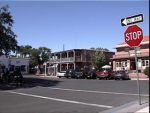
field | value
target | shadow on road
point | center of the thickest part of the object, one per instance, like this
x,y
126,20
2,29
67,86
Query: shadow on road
x,y
29,82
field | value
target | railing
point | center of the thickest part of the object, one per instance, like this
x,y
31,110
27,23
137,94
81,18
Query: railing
x,y
70,59
62,60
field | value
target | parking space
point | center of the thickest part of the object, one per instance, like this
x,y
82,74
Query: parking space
x,y
69,96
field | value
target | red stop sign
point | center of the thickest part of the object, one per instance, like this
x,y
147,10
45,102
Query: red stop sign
x,y
133,35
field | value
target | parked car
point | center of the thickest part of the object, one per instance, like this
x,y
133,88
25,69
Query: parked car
x,y
105,74
61,74
89,73
121,75
74,73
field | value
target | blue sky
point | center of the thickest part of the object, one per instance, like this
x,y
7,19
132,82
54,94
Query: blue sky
x,y
75,24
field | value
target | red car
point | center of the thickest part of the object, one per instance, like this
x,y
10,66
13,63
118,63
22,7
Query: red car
x,y
104,74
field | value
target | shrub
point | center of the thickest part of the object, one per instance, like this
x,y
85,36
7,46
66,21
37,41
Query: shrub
x,y
146,71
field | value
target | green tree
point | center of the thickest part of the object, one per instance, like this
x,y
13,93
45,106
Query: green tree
x,y
35,57
44,54
100,49
99,59
39,56
25,51
8,40
146,71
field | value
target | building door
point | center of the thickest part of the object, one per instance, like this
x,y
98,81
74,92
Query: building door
x,y
133,65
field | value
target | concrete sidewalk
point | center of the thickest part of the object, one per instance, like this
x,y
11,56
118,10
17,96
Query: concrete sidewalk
x,y
141,75
132,107
144,110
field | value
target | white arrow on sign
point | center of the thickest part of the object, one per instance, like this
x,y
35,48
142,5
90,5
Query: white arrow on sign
x,y
124,21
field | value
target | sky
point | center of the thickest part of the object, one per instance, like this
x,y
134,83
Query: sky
x,y
74,24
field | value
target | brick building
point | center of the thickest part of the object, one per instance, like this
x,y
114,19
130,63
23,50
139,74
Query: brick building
x,y
125,56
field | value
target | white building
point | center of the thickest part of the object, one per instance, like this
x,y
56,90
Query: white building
x,y
13,62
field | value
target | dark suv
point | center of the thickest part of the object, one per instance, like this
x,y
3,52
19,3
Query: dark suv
x,y
74,73
89,73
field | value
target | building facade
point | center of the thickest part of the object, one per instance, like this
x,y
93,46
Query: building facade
x,y
75,59
12,62
124,57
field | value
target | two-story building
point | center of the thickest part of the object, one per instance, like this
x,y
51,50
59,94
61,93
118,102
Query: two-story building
x,y
75,58
125,56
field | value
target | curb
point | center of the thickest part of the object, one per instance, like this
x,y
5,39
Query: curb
x,y
132,107
140,78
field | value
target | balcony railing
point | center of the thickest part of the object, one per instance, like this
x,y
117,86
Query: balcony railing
x,y
70,59
62,60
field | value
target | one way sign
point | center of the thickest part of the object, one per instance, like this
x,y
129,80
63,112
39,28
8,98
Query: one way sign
x,y
132,20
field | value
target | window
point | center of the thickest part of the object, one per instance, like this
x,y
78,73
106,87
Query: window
x,y
121,64
23,68
12,67
78,54
145,63
124,63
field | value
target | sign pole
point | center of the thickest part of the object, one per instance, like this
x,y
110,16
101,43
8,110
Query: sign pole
x,y
138,83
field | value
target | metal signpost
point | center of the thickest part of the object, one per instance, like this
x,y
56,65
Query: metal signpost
x,y
133,37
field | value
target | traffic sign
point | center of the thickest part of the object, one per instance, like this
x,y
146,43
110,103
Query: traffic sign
x,y
132,20
133,36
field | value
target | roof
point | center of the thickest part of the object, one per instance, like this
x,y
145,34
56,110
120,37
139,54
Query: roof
x,y
144,41
79,50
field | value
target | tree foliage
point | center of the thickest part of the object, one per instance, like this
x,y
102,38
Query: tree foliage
x,y
8,40
146,71
39,56
100,49
99,59
25,51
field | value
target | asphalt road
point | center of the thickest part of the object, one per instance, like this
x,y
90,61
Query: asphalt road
x,y
54,95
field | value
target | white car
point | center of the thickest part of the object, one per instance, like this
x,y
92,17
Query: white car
x,y
61,74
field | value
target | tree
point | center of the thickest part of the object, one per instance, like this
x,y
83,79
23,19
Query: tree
x,y
100,49
35,58
99,59
39,56
25,51
44,53
8,42
146,71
